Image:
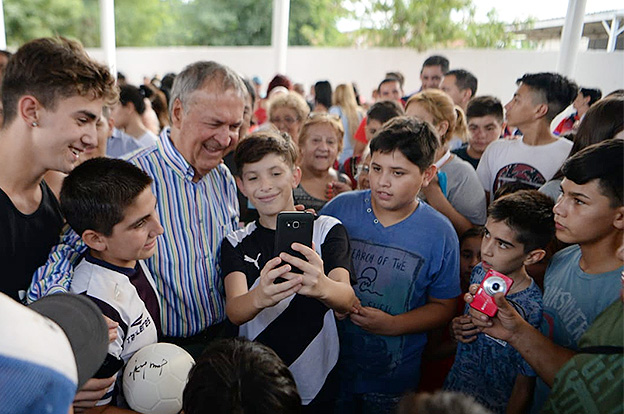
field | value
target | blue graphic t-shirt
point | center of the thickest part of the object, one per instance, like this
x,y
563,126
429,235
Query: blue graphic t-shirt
x,y
572,300
487,368
397,269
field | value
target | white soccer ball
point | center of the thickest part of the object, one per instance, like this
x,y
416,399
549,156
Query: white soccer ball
x,y
155,377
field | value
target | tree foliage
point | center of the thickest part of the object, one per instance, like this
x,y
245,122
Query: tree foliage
x,y
419,24
173,22
425,24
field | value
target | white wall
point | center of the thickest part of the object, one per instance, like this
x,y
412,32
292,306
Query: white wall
x,y
497,70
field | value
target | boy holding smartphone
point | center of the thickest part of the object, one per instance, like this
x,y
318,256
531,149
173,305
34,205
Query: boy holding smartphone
x,y
406,258
518,229
295,317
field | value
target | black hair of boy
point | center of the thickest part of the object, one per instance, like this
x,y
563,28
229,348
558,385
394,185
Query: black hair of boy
x,y
483,106
259,144
95,195
134,95
398,76
416,140
437,60
464,80
470,233
603,162
530,214
594,94
557,91
384,111
242,377
388,80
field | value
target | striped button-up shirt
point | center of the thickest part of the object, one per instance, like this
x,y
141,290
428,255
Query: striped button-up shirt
x,y
196,217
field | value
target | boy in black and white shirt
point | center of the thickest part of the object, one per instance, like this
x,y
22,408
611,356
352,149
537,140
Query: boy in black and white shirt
x,y
296,317
109,202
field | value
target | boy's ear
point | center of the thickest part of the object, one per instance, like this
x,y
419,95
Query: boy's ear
x,y
94,240
534,256
618,219
541,110
240,185
296,176
428,174
27,108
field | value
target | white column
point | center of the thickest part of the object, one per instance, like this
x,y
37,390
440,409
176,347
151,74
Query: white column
x,y
571,36
279,33
3,43
107,34
614,31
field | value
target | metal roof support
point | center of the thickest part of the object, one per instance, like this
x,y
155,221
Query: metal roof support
x,y
279,33
107,34
614,31
571,36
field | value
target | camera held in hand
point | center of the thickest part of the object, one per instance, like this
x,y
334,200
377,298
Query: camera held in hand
x,y
494,282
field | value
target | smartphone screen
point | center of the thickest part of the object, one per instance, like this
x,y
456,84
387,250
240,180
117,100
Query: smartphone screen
x,y
293,227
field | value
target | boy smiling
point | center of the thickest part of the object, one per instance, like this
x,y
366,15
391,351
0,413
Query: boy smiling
x,y
109,202
406,261
295,317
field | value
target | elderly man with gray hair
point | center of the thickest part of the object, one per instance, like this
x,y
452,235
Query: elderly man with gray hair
x,y
196,203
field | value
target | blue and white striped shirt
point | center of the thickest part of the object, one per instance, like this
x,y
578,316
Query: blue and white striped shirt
x,y
196,217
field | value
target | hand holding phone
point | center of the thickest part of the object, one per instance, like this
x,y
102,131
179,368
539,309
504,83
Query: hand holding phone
x,y
293,227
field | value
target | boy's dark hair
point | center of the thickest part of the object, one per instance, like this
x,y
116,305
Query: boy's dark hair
x,y
530,214
134,95
95,195
603,121
388,80
323,93
241,377
383,111
483,106
259,144
50,69
594,94
436,60
557,91
416,140
464,80
603,162
397,75
470,233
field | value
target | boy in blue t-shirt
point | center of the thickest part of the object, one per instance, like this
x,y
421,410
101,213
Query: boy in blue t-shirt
x,y
109,202
406,259
518,229
581,281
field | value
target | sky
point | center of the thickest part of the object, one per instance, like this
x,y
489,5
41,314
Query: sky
x,y
508,10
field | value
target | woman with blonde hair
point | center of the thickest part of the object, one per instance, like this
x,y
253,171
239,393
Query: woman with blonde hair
x,y
320,143
346,107
287,112
457,193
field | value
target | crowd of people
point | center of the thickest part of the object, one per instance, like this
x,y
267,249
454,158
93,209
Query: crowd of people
x,y
159,203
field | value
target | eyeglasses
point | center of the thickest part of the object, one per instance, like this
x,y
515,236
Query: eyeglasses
x,y
287,120
326,115
363,169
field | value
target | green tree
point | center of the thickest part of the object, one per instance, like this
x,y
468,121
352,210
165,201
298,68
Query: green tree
x,y
29,19
425,24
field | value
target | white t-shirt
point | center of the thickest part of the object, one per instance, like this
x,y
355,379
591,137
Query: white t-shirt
x,y
507,161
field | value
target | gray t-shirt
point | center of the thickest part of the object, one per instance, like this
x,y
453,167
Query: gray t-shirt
x,y
464,190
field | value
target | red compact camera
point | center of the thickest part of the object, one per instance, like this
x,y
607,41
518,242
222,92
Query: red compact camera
x,y
494,282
